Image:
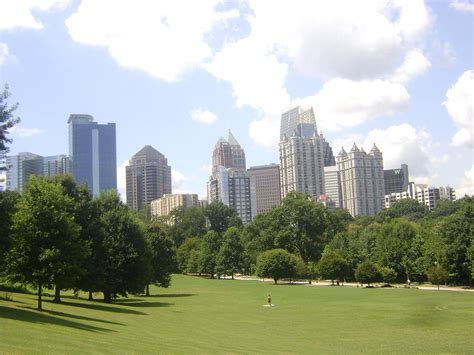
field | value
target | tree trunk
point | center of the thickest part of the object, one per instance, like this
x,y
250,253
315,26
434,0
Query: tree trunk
x,y
57,294
232,276
90,296
438,287
40,304
276,281
107,297
332,282
147,290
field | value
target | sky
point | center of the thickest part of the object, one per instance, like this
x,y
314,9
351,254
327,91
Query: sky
x,y
177,74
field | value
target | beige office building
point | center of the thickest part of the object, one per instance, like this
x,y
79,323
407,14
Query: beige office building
x,y
301,154
148,177
162,207
264,187
362,180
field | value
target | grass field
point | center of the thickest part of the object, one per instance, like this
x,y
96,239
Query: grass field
x,y
201,315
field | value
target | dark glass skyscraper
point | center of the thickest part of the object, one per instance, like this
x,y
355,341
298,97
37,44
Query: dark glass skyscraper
x,y
92,148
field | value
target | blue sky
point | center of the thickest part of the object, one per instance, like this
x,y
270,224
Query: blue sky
x,y
177,74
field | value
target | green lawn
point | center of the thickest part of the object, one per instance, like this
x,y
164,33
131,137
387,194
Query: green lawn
x,y
201,315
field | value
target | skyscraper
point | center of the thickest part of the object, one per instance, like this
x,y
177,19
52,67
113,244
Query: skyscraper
x,y
301,154
264,187
23,165
229,181
396,180
362,180
92,148
332,185
148,177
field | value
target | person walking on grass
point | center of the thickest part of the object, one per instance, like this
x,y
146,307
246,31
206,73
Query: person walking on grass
x,y
269,299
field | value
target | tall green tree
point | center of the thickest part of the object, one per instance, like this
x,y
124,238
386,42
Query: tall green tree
x,y
221,217
7,121
276,264
162,256
230,259
184,252
186,223
8,205
123,244
46,247
437,275
368,272
210,246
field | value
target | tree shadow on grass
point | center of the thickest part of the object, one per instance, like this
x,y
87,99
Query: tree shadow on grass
x,y
39,317
74,316
141,303
170,295
102,307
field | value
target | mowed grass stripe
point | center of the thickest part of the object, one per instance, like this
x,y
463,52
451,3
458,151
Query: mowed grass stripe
x,y
202,315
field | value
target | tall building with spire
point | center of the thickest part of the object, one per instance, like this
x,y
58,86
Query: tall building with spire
x,y
229,181
148,177
301,154
92,149
362,180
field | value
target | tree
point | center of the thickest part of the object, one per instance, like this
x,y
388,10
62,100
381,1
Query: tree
x,y
186,223
123,244
8,204
221,217
367,272
333,266
277,264
437,275
162,256
409,208
7,121
46,246
231,254
210,246
388,275
183,254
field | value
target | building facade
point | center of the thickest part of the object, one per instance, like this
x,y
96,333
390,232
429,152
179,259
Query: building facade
x,y
332,185
163,206
362,180
396,180
301,155
148,177
229,181
92,149
425,195
23,165
264,187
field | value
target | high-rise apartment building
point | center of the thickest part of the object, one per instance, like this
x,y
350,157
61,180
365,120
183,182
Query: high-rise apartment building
x,y
447,193
23,165
328,155
264,187
301,154
163,206
230,182
92,149
396,180
332,185
148,177
362,180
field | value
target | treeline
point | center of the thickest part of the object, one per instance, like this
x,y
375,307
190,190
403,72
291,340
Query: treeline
x,y
55,235
302,239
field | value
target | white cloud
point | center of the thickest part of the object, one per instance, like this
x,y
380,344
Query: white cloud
x,y
415,64
443,52
18,14
460,106
257,77
343,103
122,181
464,6
177,179
466,187
203,116
3,53
25,132
162,38
352,39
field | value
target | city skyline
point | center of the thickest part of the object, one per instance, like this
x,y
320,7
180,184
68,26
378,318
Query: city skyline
x,y
402,79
